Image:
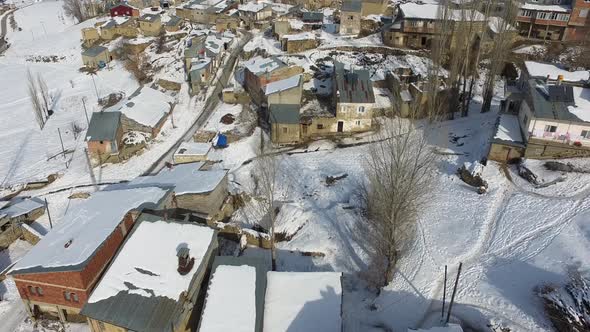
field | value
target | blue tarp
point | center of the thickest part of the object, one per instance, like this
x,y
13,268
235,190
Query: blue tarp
x,y
221,141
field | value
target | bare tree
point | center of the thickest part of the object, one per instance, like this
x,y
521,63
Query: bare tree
x,y
13,23
398,170
267,172
44,92
36,101
76,129
75,9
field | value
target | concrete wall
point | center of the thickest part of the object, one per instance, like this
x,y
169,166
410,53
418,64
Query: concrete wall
x,y
504,153
290,96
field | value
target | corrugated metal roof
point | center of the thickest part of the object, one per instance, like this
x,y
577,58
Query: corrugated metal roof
x,y
313,17
351,6
353,86
94,51
540,100
103,126
284,113
140,313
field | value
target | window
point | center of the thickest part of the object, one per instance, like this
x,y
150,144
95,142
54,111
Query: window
x,y
32,290
320,126
358,122
75,297
40,291
284,130
563,17
361,109
550,129
101,142
585,133
351,17
583,13
554,16
67,296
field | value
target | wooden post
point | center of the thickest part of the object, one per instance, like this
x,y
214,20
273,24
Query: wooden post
x,y
62,143
442,313
85,111
48,214
453,294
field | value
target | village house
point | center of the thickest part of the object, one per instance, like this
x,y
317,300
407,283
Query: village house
x,y
15,215
578,27
173,24
281,27
260,71
229,276
105,134
295,43
143,3
544,19
55,278
196,189
227,23
201,70
118,26
350,17
169,272
287,91
552,106
354,99
90,36
205,11
270,301
313,20
284,120
416,25
190,152
96,57
150,24
373,7
146,110
255,11
124,10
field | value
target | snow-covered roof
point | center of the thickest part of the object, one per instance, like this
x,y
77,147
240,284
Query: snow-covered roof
x,y
232,293
509,129
198,64
84,229
146,106
301,36
152,269
283,85
303,301
541,70
258,64
413,10
496,24
22,207
582,103
547,8
253,7
185,178
193,148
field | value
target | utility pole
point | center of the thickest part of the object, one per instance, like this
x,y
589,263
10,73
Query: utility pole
x,y
442,313
48,214
454,291
63,150
85,111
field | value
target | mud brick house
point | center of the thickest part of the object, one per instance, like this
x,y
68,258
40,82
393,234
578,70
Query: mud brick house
x,y
284,122
104,134
124,10
260,71
118,26
58,274
294,43
150,24
154,287
350,17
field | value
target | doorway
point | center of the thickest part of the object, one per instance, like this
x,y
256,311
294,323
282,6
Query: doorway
x,y
340,126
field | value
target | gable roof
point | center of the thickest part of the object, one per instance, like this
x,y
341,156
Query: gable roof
x,y
72,243
103,126
141,288
146,106
94,51
353,86
284,113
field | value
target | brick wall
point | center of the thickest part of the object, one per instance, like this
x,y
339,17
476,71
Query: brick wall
x,y
53,294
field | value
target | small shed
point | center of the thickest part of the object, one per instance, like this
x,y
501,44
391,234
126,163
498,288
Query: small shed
x,y
96,57
104,133
189,152
507,143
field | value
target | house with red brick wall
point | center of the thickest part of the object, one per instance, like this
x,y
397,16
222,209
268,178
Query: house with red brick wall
x,y
124,10
545,19
578,28
56,276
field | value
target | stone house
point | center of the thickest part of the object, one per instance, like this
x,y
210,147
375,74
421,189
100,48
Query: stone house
x,y
205,11
55,278
416,25
227,23
255,11
350,17
105,134
284,123
311,4
14,214
409,92
150,24
281,27
354,99
188,247
124,10
118,26
287,91
90,36
373,7
260,71
295,43
96,57
174,24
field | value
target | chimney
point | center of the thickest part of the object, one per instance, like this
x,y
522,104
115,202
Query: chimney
x,y
559,79
185,262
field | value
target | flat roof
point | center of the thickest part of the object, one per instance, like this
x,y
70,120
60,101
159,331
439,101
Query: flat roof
x,y
193,149
146,106
259,65
509,129
542,70
282,85
303,301
74,240
19,207
143,277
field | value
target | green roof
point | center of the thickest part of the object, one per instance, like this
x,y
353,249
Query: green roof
x,y
103,126
94,51
284,113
